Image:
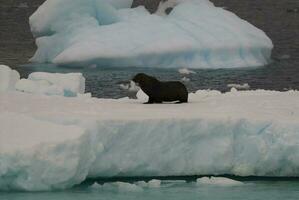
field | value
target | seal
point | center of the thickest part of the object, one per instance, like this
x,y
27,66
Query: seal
x,y
159,91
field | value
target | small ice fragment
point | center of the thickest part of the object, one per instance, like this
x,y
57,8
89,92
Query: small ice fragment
x,y
218,181
154,183
233,90
122,187
185,79
96,186
186,71
131,87
244,86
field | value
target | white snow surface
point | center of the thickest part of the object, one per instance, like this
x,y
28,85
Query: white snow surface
x,y
54,142
196,34
8,78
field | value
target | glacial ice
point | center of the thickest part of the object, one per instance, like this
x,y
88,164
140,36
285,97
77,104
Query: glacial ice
x,y
53,142
196,34
8,78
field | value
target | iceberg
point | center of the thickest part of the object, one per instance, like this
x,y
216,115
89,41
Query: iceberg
x,y
195,34
54,142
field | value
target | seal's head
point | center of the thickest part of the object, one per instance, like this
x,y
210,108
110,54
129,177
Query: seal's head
x,y
142,79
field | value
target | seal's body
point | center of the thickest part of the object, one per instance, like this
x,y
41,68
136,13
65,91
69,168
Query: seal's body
x,y
159,91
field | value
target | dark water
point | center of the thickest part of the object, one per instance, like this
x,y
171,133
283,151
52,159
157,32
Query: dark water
x,y
105,81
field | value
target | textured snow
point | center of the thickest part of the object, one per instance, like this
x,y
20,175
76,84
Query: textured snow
x,y
53,142
70,85
8,78
195,34
218,181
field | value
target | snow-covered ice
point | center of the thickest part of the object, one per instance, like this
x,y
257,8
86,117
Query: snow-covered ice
x,y
53,142
8,78
218,181
69,85
196,34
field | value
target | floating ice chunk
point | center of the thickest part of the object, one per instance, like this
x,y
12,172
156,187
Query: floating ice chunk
x,y
218,181
185,79
122,187
244,86
72,83
186,71
154,183
173,182
8,78
142,184
124,86
96,186
132,87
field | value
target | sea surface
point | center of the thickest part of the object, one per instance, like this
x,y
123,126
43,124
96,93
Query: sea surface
x,y
106,82
280,21
278,190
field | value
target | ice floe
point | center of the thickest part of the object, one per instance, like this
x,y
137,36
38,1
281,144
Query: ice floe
x,y
54,142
